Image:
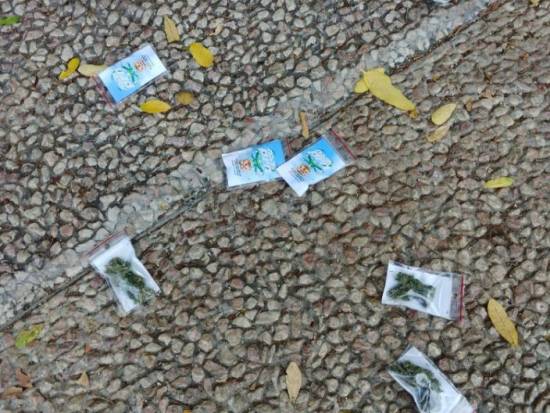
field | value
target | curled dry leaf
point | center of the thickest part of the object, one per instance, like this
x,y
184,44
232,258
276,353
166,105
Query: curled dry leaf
x,y
439,133
171,30
201,54
218,29
293,381
23,379
25,337
84,380
305,127
89,70
154,106
500,182
185,98
502,322
380,85
443,113
72,65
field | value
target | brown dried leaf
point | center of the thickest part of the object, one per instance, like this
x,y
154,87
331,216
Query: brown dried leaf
x,y
87,348
305,127
293,381
502,322
469,105
84,380
23,379
12,392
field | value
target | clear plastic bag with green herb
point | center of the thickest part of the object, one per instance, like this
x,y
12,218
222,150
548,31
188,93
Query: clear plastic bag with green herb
x,y
115,259
431,390
437,293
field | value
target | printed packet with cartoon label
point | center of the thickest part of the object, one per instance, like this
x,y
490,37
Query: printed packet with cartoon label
x,y
129,75
316,162
254,164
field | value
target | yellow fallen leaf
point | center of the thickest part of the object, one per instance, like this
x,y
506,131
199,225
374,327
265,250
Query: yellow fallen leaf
x,y
439,133
154,106
201,54
443,113
361,86
305,127
535,2
72,65
293,381
172,33
500,182
502,323
185,98
25,337
84,380
187,411
380,85
90,70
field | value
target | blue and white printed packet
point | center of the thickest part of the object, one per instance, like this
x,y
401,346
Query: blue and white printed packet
x,y
127,76
254,164
316,162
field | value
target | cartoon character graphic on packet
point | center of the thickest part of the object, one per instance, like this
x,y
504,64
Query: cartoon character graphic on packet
x,y
262,161
127,76
314,161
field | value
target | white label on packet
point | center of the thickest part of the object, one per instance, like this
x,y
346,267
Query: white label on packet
x,y
313,164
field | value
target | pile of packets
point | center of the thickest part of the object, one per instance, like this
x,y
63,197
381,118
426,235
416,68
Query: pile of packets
x,y
436,293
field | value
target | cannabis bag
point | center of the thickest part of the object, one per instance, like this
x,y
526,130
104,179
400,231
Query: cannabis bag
x,y
431,390
254,164
132,285
131,74
316,162
437,293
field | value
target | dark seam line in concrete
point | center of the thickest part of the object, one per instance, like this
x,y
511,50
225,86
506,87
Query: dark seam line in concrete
x,y
202,194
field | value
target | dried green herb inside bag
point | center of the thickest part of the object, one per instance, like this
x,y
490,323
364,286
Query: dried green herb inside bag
x,y
408,288
123,277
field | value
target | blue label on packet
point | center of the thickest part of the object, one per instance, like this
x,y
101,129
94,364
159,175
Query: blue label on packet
x,y
315,163
130,74
255,164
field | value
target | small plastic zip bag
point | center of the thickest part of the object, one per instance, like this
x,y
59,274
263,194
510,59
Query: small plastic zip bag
x,y
431,390
316,162
436,293
254,164
115,259
131,74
